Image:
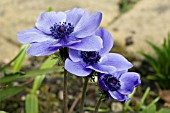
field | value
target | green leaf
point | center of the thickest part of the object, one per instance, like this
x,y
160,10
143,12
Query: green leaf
x,y
3,112
154,101
144,97
93,109
151,77
49,9
151,60
20,59
9,92
37,83
156,48
161,76
28,74
31,103
164,110
49,63
150,109
127,106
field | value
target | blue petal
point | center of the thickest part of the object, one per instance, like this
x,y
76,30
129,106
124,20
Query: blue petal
x,y
42,48
32,35
103,68
76,68
90,43
87,24
101,82
69,41
107,41
74,15
116,95
118,74
128,82
48,19
116,60
75,55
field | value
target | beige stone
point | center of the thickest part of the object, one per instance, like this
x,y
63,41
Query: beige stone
x,y
148,20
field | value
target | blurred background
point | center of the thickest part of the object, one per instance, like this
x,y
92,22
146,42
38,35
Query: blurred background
x,y
132,23
135,21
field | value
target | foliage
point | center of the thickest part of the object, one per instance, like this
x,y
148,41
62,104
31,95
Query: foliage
x,y
32,99
15,75
160,63
31,103
126,5
142,108
9,78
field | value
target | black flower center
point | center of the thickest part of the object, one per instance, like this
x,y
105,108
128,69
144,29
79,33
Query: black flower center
x,y
61,30
90,57
111,82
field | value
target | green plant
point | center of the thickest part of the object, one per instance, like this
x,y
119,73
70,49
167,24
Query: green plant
x,y
13,74
141,107
160,63
126,5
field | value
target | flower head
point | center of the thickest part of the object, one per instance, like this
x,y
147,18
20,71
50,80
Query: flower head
x,y
119,84
82,63
53,30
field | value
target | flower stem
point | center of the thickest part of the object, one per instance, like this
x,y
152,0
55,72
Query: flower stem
x,y
98,104
83,94
65,92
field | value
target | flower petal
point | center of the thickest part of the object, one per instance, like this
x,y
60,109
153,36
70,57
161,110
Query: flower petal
x,y
32,35
118,74
48,19
128,81
90,43
69,41
116,60
74,55
43,48
103,68
101,82
76,68
116,95
107,41
87,24
74,15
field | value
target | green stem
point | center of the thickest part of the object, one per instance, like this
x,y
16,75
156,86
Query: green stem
x,y
65,92
83,94
98,104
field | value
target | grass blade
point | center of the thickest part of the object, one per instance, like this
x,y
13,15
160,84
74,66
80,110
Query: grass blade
x,y
20,59
31,103
9,92
144,97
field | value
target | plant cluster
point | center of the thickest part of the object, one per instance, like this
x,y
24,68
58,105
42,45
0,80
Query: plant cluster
x,y
160,63
84,49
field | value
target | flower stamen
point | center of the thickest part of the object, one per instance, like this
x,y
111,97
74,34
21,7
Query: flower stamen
x,y
111,82
61,30
90,57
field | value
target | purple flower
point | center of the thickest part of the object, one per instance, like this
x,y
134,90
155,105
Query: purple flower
x,y
119,84
82,63
73,28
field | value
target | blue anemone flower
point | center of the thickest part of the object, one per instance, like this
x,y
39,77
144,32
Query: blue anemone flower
x,y
53,30
82,63
119,84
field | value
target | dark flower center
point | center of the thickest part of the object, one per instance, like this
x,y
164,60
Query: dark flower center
x,y
111,82
61,30
90,57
